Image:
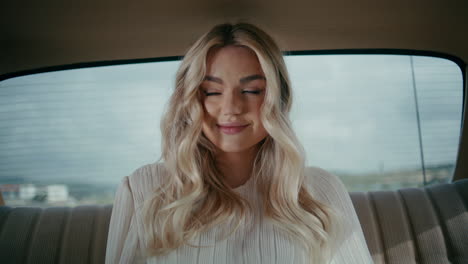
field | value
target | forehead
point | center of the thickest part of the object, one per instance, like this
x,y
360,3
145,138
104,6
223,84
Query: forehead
x,y
232,58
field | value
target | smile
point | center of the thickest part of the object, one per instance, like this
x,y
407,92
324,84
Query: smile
x,y
231,129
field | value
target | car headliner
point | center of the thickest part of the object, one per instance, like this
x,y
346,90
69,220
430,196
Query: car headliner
x,y
37,34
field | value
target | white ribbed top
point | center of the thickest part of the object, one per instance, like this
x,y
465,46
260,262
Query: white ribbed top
x,y
257,240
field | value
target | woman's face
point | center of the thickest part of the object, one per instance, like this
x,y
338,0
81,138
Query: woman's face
x,y
233,92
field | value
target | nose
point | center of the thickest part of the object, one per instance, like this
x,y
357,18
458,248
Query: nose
x,y
232,104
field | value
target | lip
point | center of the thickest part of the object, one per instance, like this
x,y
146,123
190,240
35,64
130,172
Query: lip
x,y
231,128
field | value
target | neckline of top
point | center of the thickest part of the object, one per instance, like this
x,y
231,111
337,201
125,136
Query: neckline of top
x,y
243,186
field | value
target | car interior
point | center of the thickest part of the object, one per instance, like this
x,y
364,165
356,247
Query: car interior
x,y
422,223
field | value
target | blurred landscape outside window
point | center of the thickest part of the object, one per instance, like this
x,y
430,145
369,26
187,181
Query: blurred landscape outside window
x,y
377,121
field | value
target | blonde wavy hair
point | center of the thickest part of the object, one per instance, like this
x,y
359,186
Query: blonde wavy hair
x,y
194,197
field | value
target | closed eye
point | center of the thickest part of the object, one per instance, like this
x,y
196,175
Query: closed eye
x,y
253,91
211,93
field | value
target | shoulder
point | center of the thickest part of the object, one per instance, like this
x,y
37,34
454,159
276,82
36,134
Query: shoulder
x,y
145,180
325,186
330,190
346,236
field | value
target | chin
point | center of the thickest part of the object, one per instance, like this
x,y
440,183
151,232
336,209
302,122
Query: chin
x,y
232,149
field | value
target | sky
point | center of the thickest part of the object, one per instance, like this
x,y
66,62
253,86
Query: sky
x,y
354,114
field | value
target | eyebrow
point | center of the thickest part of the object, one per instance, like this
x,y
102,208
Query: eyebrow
x,y
213,79
252,78
242,80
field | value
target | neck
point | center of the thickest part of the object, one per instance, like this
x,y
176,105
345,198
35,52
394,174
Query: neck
x,y
236,167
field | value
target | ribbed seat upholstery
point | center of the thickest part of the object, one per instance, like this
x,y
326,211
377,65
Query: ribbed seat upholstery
x,y
416,225
54,235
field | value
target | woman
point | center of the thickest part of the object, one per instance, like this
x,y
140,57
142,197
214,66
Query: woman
x,y
232,187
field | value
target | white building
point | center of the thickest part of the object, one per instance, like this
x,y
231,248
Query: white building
x,y
27,191
57,193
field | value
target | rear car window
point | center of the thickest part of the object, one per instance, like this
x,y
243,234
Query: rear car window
x,y
377,121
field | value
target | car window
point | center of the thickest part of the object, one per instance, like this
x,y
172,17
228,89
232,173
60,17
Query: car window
x,y
377,121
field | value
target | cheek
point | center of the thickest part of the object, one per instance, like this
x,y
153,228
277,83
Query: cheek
x,y
256,107
256,115
211,104
210,109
